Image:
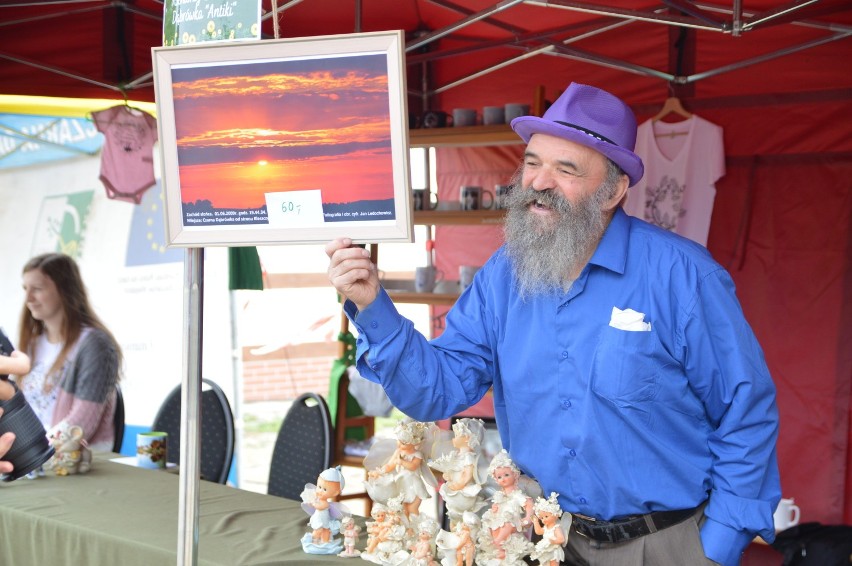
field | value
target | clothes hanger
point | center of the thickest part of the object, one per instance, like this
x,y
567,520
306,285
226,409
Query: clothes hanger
x,y
125,105
130,109
672,105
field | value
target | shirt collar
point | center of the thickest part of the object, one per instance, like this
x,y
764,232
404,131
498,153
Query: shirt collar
x,y
611,252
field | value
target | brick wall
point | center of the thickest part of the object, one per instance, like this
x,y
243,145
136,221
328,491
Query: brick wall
x,y
288,372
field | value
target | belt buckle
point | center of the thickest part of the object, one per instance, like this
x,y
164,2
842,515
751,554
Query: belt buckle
x,y
583,524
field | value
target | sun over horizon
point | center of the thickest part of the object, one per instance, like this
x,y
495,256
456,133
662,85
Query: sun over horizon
x,y
246,130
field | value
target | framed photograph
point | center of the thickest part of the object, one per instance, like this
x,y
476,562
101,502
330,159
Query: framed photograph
x,y
284,141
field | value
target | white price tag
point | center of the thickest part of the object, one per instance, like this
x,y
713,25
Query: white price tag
x,y
295,208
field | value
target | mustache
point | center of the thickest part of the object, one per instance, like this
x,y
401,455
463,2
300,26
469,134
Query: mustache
x,y
522,197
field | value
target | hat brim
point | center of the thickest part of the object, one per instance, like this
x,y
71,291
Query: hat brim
x,y
630,163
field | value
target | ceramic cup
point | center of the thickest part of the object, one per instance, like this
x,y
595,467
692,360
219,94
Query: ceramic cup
x,y
493,115
151,450
434,119
466,273
425,278
501,195
513,111
786,515
464,117
424,199
472,198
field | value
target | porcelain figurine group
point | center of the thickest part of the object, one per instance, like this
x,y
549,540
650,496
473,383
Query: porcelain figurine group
x,y
513,523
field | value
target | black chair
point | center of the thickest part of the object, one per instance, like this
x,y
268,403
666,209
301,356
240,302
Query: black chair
x,y
303,448
118,420
217,430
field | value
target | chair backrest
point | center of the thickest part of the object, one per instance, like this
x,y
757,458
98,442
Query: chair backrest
x,y
118,420
303,448
217,430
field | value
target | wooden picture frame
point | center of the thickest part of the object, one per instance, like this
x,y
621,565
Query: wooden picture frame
x,y
284,141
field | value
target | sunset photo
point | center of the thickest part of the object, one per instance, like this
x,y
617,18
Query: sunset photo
x,y
248,129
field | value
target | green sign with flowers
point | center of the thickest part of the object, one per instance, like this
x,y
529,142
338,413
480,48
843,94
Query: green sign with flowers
x,y
196,21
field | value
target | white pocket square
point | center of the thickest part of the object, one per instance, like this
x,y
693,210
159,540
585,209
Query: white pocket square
x,y
629,319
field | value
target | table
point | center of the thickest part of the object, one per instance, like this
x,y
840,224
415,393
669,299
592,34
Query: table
x,y
120,515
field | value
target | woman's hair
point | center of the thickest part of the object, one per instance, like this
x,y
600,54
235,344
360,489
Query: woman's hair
x,y
63,271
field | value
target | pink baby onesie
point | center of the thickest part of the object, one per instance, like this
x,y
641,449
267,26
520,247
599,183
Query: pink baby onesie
x,y
127,160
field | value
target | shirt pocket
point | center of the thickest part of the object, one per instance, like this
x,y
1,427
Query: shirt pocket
x,y
623,368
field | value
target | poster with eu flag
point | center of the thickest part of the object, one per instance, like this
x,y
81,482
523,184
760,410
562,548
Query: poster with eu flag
x,y
146,244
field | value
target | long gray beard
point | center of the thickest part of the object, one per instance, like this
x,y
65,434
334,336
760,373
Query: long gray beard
x,y
545,254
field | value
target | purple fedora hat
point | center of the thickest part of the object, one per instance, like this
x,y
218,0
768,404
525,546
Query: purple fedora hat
x,y
591,117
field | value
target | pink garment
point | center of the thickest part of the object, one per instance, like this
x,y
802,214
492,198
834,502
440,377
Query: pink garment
x,y
127,160
683,160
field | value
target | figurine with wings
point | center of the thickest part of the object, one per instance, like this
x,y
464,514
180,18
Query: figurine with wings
x,y
399,468
320,501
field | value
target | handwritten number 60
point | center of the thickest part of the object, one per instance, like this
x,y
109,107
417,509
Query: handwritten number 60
x,y
289,206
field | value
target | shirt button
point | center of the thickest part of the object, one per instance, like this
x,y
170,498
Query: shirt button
x,y
374,324
564,355
566,404
583,500
572,452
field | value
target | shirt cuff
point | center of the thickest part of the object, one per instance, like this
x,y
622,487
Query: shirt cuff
x,y
376,322
722,544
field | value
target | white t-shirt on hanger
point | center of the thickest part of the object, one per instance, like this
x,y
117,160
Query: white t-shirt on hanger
x,y
681,170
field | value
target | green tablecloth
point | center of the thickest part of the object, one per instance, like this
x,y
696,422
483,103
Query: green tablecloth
x,y
120,515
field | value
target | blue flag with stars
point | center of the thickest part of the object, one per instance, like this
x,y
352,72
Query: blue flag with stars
x,y
147,242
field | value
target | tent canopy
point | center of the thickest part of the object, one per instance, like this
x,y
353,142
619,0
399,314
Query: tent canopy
x,y
470,52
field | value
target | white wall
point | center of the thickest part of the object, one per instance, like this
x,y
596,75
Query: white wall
x,y
141,304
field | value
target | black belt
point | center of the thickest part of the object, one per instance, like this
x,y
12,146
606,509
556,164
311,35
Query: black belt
x,y
627,528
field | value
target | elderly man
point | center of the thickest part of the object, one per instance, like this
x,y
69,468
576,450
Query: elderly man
x,y
625,376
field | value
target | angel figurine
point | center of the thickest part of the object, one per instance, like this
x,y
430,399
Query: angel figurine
x,y
461,469
386,543
320,501
379,514
405,472
351,533
546,522
510,514
423,548
458,547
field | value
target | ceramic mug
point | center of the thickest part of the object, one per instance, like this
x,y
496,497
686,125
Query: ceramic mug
x,y
434,119
152,450
422,196
464,117
471,198
466,273
501,196
513,111
786,515
425,278
493,115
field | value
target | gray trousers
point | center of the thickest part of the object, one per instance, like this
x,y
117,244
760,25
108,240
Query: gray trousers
x,y
678,545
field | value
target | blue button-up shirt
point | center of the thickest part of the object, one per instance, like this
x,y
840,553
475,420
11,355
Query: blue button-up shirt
x,y
617,422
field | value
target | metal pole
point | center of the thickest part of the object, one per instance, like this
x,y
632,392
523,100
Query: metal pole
x,y
190,412
237,363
